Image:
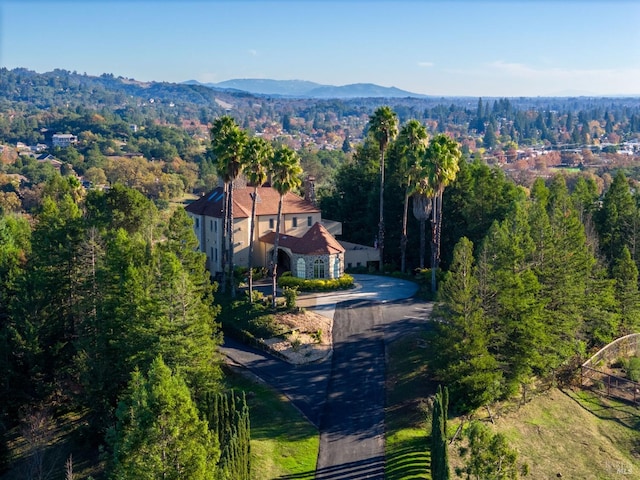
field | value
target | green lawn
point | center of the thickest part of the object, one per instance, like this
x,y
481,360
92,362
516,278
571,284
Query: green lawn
x,y
283,443
406,414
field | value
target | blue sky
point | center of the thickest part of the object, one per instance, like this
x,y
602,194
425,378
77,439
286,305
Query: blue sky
x,y
458,47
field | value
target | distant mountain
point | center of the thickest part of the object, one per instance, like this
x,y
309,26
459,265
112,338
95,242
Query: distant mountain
x,y
306,89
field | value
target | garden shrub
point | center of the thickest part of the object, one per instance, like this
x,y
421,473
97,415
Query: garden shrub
x,y
633,369
316,284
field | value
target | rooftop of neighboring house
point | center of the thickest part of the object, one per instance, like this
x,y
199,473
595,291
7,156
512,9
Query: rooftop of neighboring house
x,y
210,204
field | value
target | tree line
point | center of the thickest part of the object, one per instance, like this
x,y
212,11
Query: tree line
x,y
106,307
550,282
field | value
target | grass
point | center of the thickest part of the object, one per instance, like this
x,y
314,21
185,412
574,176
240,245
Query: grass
x,y
283,442
575,434
407,413
570,432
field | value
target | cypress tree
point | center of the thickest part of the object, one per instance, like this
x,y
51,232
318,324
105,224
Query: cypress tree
x,y
439,452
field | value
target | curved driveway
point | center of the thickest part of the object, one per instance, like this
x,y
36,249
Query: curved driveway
x,y
345,397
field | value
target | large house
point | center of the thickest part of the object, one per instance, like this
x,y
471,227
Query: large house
x,y
63,140
307,246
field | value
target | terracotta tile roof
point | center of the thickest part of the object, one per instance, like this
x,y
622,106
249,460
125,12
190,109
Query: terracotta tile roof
x,y
211,204
316,241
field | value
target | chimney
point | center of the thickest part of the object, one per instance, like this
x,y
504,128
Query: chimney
x,y
310,190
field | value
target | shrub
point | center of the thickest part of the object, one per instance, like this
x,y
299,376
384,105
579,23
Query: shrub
x,y
316,284
633,369
290,297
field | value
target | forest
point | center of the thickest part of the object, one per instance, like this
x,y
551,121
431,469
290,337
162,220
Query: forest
x,y
106,307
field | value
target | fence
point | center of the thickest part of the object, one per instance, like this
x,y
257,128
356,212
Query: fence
x,y
593,378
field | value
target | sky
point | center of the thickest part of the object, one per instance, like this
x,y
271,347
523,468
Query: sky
x,y
503,48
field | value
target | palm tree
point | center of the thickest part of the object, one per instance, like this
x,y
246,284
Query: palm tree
x,y
227,143
443,155
421,196
412,142
285,176
383,124
257,158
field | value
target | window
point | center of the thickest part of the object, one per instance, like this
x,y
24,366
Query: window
x,y
336,267
309,220
301,268
295,222
211,225
318,268
215,226
271,223
211,256
197,223
216,255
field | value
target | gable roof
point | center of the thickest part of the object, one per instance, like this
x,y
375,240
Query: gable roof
x,y
210,204
316,241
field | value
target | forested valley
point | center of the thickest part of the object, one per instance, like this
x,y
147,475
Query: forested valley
x,y
107,311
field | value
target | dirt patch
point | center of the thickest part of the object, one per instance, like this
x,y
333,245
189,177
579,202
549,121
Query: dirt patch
x,y
307,338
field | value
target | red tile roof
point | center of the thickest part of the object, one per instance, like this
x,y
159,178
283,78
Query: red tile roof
x,y
316,241
211,204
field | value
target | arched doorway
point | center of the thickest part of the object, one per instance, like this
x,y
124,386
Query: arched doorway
x,y
284,262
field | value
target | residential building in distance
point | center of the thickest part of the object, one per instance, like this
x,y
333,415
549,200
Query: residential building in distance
x,y
63,140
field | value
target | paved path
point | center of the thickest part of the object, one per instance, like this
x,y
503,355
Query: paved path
x,y
345,397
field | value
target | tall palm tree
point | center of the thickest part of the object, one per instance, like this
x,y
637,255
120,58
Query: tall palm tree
x,y
257,158
383,125
227,143
412,142
421,196
443,155
285,176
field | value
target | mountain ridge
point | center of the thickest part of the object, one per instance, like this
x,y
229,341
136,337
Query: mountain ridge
x,y
308,89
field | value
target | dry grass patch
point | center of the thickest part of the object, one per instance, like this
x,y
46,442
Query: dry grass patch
x,y
573,434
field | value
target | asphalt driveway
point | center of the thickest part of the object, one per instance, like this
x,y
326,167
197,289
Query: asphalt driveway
x,y
344,397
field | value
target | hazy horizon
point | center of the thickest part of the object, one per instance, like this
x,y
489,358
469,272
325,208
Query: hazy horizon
x,y
457,48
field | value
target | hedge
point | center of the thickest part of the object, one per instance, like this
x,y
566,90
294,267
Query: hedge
x,y
315,284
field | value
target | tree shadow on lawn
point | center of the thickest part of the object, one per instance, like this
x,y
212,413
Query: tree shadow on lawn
x,y
370,468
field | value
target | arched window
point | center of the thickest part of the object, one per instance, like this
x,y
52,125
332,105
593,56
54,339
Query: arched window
x,y
301,268
318,268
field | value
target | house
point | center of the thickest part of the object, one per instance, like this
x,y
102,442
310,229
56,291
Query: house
x,y
306,247
47,157
63,140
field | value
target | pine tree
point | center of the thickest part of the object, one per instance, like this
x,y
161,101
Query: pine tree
x,y
159,433
509,291
462,336
617,220
625,274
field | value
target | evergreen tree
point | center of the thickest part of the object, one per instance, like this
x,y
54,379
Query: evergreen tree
x,y
159,433
228,417
439,452
509,291
563,267
617,220
489,455
462,336
625,275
